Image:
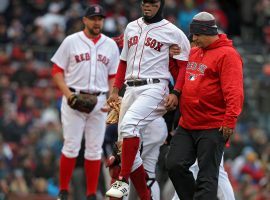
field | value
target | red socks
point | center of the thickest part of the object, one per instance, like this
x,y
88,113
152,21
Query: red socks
x,y
130,147
92,169
138,179
66,168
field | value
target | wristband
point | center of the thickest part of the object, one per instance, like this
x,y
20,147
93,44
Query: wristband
x,y
176,93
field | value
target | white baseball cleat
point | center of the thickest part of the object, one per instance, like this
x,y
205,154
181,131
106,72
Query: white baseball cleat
x,y
118,189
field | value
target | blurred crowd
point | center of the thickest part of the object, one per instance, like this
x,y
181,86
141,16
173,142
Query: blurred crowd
x,y
30,129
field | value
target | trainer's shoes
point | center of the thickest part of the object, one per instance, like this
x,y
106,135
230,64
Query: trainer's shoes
x,y
63,195
118,189
92,197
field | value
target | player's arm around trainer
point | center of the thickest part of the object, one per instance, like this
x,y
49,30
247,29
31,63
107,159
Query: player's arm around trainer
x,y
178,71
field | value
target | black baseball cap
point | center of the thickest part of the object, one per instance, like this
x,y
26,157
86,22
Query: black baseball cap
x,y
203,23
150,1
94,10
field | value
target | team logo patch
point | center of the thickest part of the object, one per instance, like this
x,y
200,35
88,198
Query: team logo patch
x,y
192,77
97,9
194,70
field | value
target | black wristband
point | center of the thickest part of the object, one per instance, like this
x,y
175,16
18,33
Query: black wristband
x,y
176,93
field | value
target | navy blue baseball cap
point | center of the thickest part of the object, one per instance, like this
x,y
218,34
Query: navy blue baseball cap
x,y
94,10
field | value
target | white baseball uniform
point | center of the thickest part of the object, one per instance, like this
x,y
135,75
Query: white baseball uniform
x,y
146,51
87,67
225,190
153,137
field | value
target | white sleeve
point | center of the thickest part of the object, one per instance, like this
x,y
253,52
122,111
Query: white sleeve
x,y
184,45
124,52
114,59
61,56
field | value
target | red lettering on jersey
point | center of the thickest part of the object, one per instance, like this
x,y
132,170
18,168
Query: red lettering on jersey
x,y
148,41
77,58
158,47
153,44
87,56
99,57
133,41
82,57
103,59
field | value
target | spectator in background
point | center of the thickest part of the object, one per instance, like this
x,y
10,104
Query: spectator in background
x,y
51,18
186,12
116,22
248,19
262,10
212,7
26,75
4,39
252,167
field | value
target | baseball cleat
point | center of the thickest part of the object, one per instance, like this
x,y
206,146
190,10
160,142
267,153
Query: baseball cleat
x,y
63,195
118,189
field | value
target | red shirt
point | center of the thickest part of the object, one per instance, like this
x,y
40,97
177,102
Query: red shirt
x,y
212,95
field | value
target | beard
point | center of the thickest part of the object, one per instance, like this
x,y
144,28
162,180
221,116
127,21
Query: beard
x,y
95,31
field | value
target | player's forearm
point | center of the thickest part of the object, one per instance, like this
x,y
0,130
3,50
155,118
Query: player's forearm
x,y
120,75
111,82
115,90
60,82
181,75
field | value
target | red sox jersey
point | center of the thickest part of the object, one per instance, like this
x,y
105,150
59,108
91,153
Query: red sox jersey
x,y
146,48
87,65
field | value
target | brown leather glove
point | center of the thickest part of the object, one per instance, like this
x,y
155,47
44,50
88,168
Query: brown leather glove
x,y
82,102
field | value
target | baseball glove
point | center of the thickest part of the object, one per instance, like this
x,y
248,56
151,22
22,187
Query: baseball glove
x,y
115,158
116,152
82,102
113,115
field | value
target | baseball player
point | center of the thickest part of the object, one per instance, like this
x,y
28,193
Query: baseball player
x,y
152,138
144,69
84,66
225,190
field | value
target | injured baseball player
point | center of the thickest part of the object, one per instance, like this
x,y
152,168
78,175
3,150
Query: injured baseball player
x,y
144,69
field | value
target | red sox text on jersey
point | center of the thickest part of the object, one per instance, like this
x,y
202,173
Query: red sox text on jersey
x,y
152,43
86,56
